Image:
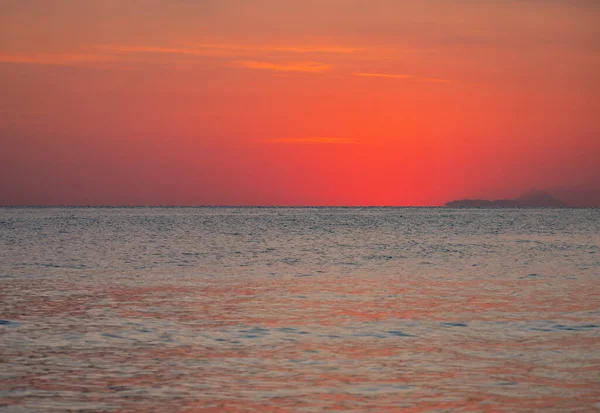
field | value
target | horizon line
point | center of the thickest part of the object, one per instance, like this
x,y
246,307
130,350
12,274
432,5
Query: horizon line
x,y
273,206
212,206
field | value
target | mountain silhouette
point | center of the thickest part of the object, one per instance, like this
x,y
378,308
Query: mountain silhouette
x,y
537,198
532,199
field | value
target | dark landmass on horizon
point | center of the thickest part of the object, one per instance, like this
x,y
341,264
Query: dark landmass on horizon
x,y
532,199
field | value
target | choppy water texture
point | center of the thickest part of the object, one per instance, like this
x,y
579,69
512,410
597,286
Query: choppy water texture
x,y
299,310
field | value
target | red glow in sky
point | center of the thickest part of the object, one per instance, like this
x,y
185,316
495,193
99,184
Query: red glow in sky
x,y
297,102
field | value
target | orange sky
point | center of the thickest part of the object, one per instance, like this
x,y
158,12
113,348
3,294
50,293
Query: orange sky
x,y
297,102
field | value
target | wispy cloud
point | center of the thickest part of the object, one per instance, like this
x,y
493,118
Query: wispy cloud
x,y
403,76
60,59
166,50
210,49
250,56
324,140
308,67
279,48
383,75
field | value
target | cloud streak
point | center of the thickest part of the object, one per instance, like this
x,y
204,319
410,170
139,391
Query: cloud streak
x,y
321,140
165,50
119,53
403,76
57,59
210,49
275,48
307,67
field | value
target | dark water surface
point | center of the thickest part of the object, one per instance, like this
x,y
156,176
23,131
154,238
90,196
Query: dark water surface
x,y
299,310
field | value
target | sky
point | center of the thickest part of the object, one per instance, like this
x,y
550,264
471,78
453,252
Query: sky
x,y
297,102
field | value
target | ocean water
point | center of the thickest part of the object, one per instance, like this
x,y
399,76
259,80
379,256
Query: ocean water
x,y
299,310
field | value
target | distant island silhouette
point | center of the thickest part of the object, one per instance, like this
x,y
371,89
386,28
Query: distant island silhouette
x,y
532,199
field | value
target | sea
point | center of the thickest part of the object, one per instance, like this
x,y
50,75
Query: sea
x,y
299,310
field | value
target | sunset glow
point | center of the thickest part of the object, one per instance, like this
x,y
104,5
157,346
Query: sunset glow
x,y
297,102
